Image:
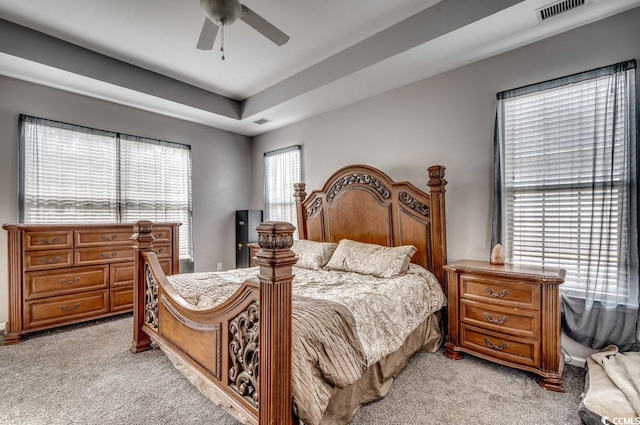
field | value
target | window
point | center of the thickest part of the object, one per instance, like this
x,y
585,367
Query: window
x,y
74,174
566,181
281,170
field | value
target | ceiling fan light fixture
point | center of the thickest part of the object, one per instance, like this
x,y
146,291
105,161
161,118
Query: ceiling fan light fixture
x,y
223,12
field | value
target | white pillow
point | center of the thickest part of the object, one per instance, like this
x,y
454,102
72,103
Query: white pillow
x,y
371,259
312,255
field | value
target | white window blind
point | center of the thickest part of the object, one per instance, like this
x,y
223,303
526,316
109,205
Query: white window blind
x,y
74,174
68,175
161,192
565,179
282,168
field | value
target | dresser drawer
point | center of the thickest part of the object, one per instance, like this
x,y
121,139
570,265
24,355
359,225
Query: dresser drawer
x,y
65,281
500,291
102,237
500,346
65,309
162,249
48,240
162,234
165,263
121,299
41,260
101,255
518,322
121,274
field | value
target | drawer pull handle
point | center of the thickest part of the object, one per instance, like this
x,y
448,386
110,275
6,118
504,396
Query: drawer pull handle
x,y
500,294
160,235
45,260
65,308
499,321
109,238
49,242
70,282
114,254
159,250
496,347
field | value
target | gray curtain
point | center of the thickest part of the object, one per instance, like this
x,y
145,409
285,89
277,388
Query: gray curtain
x,y
566,195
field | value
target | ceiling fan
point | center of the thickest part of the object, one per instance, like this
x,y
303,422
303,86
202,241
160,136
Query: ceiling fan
x,y
225,12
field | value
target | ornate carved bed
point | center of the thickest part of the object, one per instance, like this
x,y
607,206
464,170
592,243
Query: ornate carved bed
x,y
239,352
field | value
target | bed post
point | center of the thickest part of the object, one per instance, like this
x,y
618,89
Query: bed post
x,y
300,195
275,260
437,189
142,242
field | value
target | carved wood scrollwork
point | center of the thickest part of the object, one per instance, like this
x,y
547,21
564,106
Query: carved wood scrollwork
x,y
150,298
410,202
244,349
271,241
311,210
358,178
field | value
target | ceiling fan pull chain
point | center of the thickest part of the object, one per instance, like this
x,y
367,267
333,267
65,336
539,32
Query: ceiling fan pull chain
x,y
222,41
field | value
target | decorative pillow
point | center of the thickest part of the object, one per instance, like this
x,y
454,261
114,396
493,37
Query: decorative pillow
x,y
312,255
375,260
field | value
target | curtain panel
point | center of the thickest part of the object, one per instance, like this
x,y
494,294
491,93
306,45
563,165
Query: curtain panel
x,y
566,194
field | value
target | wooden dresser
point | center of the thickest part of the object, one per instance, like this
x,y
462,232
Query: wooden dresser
x,y
508,314
63,274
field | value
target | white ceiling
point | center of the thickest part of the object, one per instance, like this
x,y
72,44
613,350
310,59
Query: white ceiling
x,y
340,51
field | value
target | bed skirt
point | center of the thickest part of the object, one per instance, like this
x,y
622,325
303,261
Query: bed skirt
x,y
345,402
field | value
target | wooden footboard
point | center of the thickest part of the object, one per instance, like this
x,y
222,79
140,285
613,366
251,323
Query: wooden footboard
x,y
243,346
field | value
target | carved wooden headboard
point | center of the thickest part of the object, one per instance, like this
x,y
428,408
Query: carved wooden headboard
x,y
362,203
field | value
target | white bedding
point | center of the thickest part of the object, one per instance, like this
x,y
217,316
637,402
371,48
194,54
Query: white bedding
x,y
386,310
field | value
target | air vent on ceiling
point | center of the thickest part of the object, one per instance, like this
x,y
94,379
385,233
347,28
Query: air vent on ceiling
x,y
261,121
558,7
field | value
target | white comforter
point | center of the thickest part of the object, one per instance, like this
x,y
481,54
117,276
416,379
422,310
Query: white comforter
x,y
386,311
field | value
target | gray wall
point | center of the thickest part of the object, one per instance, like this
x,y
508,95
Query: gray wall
x,y
221,175
447,119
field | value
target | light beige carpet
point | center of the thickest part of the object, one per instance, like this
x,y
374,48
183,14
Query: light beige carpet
x,y
85,374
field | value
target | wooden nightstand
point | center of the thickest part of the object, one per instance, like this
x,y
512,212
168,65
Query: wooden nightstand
x,y
507,314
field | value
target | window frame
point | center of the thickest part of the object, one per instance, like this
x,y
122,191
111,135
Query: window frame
x,y
504,230
266,179
186,259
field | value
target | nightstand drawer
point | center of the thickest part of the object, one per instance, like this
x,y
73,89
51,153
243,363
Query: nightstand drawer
x,y
500,291
496,345
517,322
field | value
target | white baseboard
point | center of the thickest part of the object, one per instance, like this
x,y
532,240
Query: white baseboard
x,y
3,326
575,361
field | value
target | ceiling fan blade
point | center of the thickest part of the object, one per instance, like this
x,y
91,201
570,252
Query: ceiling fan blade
x,y
207,35
259,24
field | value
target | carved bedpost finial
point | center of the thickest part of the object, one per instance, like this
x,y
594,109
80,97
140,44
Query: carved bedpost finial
x,y
299,191
275,259
436,181
142,231
274,235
